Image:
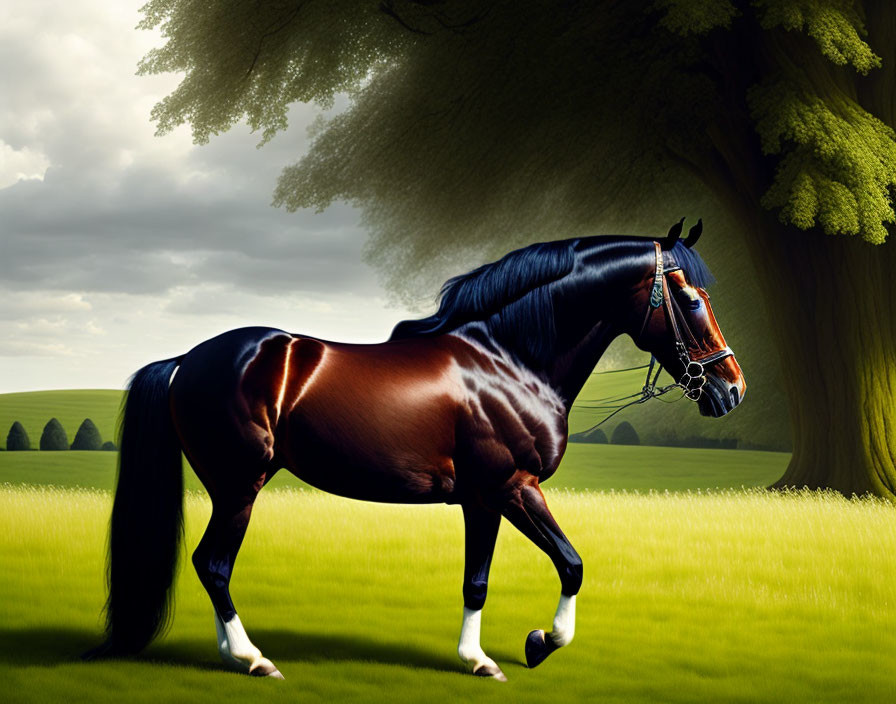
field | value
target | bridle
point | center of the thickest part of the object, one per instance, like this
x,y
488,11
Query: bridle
x,y
694,377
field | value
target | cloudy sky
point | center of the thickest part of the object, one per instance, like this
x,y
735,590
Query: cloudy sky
x,y
118,247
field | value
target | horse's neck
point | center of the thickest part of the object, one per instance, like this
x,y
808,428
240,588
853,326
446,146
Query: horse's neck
x,y
571,367
589,317
587,314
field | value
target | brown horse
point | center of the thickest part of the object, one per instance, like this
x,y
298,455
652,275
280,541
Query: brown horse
x,y
468,406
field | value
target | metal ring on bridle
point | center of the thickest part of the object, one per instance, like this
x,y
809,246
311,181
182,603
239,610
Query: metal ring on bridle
x,y
693,379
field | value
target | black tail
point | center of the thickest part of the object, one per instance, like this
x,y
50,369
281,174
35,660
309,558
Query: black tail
x,y
147,516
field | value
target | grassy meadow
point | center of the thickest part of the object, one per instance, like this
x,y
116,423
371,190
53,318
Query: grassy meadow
x,y
594,467
696,589
731,596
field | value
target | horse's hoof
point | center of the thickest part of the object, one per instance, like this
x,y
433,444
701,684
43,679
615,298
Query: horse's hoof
x,y
265,668
492,671
538,647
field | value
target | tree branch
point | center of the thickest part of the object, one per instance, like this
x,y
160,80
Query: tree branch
x,y
270,33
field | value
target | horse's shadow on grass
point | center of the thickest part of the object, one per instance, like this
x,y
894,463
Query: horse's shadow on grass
x,y
57,646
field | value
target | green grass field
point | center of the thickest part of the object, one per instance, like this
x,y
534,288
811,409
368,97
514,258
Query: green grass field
x,y
599,467
730,597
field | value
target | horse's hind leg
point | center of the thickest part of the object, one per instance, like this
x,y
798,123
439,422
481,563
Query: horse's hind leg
x,y
214,559
528,511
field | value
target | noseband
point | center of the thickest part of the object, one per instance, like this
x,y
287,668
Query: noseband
x,y
694,377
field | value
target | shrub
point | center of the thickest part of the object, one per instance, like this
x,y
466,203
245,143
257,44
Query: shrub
x,y
53,437
17,439
88,437
595,435
109,446
625,434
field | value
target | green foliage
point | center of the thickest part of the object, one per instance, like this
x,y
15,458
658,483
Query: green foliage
x,y
17,438
838,166
470,133
254,59
835,25
109,446
87,437
625,434
696,16
53,436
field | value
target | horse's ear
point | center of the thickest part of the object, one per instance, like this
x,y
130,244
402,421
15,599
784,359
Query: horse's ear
x,y
694,234
674,234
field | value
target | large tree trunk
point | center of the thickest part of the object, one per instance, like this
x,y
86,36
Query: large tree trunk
x,y
832,307
830,299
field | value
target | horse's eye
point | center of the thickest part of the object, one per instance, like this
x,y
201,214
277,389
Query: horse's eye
x,y
690,298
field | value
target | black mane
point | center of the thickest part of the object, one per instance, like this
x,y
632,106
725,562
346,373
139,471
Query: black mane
x,y
513,296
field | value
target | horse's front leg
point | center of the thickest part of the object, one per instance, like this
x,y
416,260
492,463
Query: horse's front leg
x,y
481,531
527,509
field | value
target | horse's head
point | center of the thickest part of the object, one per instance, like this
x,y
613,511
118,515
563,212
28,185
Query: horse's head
x,y
681,331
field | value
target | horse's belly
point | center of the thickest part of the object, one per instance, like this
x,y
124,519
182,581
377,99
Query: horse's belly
x,y
369,472
371,484
403,456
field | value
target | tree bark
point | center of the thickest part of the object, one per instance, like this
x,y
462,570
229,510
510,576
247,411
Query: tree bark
x,y
831,302
830,299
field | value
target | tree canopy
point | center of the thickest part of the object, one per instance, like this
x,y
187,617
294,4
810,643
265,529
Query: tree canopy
x,y
87,437
53,436
17,438
471,123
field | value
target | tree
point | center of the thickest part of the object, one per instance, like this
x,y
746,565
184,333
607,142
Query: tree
x,y
625,434
17,438
109,446
594,436
53,437
474,127
88,437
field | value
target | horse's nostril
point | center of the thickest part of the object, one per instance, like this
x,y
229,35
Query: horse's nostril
x,y
735,397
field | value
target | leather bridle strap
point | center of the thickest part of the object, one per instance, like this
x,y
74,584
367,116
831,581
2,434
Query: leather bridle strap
x,y
693,367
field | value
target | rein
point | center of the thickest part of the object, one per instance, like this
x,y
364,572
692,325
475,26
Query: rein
x,y
694,377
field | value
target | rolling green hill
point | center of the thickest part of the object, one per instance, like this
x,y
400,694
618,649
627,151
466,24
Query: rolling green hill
x,y
595,467
34,408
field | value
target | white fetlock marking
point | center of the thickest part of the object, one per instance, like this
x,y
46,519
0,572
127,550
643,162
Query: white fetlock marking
x,y
564,621
234,645
468,647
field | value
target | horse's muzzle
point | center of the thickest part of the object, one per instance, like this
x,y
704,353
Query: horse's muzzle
x,y
720,396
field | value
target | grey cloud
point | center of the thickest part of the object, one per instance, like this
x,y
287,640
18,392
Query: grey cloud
x,y
84,234
122,211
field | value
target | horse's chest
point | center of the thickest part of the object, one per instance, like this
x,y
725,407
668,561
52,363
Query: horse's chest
x,y
515,420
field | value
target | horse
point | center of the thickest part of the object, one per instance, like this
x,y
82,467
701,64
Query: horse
x,y
468,406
